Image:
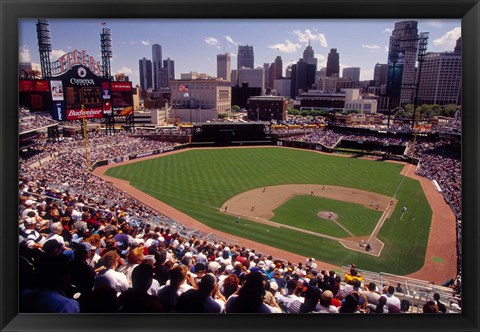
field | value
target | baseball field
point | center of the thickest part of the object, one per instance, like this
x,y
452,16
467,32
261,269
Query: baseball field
x,y
303,202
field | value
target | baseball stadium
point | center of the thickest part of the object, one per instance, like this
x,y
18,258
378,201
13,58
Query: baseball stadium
x,y
300,203
311,213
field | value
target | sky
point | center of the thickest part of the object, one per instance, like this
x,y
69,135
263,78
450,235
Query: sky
x,y
194,43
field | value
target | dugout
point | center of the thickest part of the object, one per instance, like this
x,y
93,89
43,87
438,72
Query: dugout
x,y
228,133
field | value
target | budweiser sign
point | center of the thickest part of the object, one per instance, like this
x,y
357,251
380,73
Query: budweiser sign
x,y
77,114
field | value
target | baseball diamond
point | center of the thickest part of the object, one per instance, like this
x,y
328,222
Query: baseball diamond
x,y
210,188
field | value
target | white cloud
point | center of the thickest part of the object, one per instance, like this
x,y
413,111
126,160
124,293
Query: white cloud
x,y
320,57
307,36
448,40
145,42
287,47
366,74
211,41
56,54
387,30
24,54
291,62
125,70
230,40
434,23
371,46
36,66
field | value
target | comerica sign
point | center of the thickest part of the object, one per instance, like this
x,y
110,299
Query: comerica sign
x,y
74,58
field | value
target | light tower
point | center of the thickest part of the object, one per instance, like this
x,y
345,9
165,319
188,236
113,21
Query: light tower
x,y
422,51
44,46
106,41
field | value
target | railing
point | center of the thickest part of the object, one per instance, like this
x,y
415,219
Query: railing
x,y
416,291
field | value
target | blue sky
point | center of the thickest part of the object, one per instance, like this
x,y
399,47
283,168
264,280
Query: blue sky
x,y
194,44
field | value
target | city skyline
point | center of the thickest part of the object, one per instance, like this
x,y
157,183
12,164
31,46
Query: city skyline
x,y
195,44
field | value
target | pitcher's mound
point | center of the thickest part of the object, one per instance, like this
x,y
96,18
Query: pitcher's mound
x,y
327,215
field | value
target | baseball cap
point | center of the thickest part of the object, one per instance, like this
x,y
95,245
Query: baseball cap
x,y
86,246
51,245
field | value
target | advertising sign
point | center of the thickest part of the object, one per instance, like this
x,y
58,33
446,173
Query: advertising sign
x,y
59,111
34,95
122,98
76,58
57,90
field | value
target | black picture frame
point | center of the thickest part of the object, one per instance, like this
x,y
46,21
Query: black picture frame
x,y
11,11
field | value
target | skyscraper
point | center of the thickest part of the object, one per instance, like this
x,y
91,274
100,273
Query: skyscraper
x,y
145,68
245,57
157,65
303,76
441,78
309,55
275,71
170,65
402,55
352,72
380,74
303,72
333,63
278,67
223,66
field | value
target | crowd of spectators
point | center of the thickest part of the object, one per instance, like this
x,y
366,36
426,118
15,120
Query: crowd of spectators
x,y
29,121
440,160
331,138
326,137
86,247
80,258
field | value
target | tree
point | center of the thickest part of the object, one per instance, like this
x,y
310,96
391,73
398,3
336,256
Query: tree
x,y
293,111
235,108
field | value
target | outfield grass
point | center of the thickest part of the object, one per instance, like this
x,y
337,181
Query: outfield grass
x,y
301,212
198,182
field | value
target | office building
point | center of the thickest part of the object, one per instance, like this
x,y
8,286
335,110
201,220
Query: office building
x,y
170,65
333,63
156,65
254,77
145,69
223,66
402,56
309,55
440,79
352,73
201,94
380,74
245,57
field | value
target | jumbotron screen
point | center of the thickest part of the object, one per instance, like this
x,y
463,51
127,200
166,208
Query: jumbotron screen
x,y
35,95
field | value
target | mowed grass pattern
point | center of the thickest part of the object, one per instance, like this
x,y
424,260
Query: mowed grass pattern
x,y
197,182
301,212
